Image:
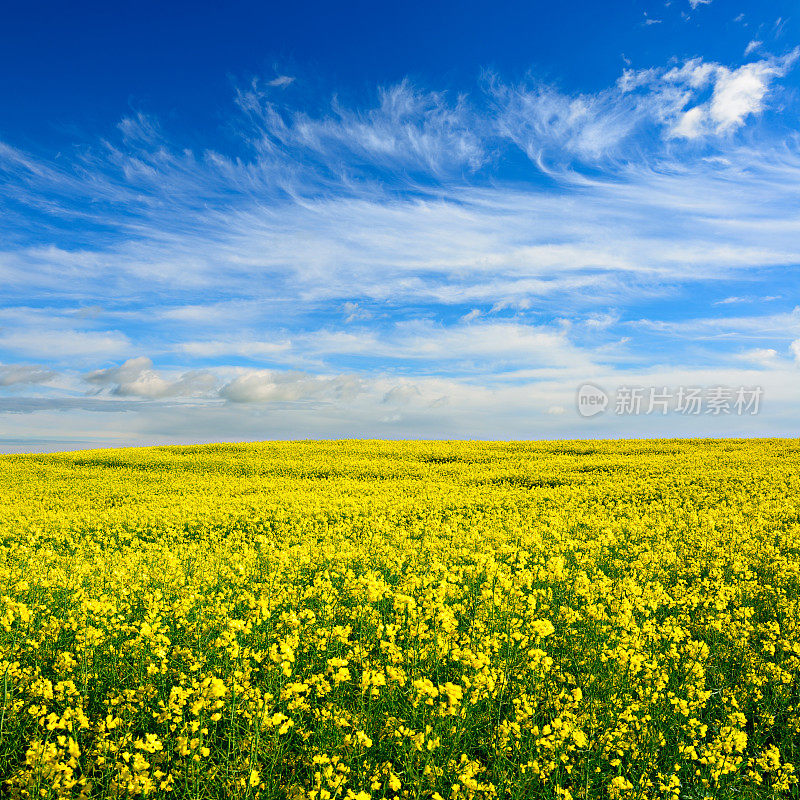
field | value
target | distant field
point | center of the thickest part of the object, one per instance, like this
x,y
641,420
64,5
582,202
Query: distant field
x,y
402,619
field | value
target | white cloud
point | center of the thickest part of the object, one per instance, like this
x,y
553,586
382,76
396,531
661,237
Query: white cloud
x,y
454,347
350,241
24,375
695,3
408,127
269,386
549,126
234,347
690,124
746,299
764,356
62,344
136,378
365,250
281,81
746,327
304,405
500,342
752,46
601,320
354,312
403,394
737,94
471,315
210,315
553,128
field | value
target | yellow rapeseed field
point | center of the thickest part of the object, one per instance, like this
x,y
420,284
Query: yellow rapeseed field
x,y
443,620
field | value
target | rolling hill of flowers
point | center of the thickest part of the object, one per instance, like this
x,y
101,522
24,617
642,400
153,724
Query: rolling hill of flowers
x,y
422,620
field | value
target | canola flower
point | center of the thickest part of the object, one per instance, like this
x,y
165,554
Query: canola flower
x,y
444,620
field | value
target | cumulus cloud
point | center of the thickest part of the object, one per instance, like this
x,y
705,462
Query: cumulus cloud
x,y
137,378
690,124
763,356
739,93
736,94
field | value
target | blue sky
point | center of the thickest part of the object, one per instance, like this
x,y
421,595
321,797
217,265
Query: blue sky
x,y
439,220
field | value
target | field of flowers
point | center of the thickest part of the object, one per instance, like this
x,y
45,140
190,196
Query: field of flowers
x,y
442,620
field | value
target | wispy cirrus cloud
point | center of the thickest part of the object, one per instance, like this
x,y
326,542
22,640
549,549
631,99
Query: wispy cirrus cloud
x,y
691,100
368,255
408,128
752,46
